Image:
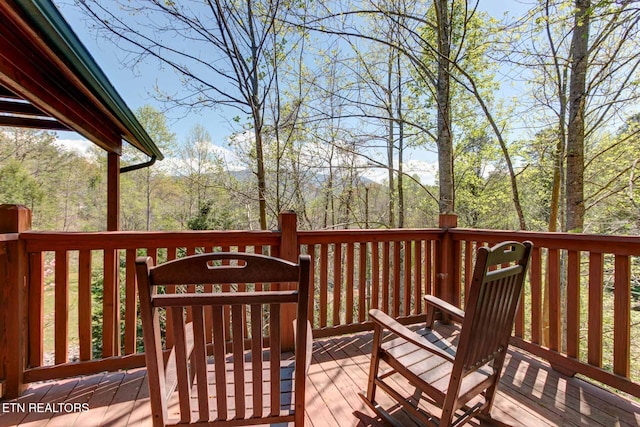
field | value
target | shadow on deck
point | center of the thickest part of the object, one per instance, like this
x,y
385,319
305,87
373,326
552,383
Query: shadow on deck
x,y
530,394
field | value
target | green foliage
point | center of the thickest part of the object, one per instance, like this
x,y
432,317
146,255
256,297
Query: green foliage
x,y
17,186
209,218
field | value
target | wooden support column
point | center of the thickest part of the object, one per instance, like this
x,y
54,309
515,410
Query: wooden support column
x,y
14,269
445,260
111,301
289,250
113,192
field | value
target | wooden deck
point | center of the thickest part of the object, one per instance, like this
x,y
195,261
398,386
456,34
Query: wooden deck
x,y
531,394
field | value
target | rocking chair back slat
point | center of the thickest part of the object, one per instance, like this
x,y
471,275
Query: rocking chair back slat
x,y
493,298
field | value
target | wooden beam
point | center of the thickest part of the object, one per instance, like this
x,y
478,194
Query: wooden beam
x,y
15,107
32,123
6,93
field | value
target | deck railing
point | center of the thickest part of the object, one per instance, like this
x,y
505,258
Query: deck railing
x,y
576,312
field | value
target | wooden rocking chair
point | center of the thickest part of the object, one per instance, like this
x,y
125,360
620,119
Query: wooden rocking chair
x,y
450,378
225,370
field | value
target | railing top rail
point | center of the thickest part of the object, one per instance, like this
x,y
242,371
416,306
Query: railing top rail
x,y
45,241
49,241
615,244
367,235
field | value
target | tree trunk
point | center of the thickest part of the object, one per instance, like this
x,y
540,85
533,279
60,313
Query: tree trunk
x,y
575,129
443,99
558,155
390,140
262,186
400,148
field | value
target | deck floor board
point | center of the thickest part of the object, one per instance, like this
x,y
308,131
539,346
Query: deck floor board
x,y
530,394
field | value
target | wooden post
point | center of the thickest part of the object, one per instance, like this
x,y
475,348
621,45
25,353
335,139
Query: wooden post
x,y
111,301
14,268
289,250
445,260
113,192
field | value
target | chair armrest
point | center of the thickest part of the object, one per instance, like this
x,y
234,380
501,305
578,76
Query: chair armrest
x,y
402,331
453,311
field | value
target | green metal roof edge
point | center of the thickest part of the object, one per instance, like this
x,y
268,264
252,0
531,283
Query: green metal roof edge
x,y
48,19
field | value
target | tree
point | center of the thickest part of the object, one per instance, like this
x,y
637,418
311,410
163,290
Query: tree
x,y
579,61
237,43
196,169
138,186
443,102
17,186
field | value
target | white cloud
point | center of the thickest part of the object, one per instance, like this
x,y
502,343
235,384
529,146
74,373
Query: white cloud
x,y
216,154
80,146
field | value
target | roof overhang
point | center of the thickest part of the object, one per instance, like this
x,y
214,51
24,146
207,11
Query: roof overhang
x,y
49,80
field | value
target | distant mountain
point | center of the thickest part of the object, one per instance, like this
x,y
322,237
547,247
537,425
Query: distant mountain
x,y
425,171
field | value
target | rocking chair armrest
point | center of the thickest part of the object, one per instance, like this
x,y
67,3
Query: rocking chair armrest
x,y
450,309
390,324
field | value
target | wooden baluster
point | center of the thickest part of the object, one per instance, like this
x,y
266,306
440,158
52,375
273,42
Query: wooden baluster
x,y
457,270
572,303
596,282
130,316
227,309
182,370
350,282
274,357
468,267
622,316
535,278
220,363
311,251
554,299
170,289
324,272
386,265
417,277
396,278
375,275
238,358
111,305
200,361
36,310
428,268
256,358
337,283
407,277
362,282
62,307
84,304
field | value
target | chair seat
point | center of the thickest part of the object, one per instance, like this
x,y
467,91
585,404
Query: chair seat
x,y
430,370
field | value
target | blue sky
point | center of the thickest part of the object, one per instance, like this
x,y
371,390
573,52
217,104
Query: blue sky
x,y
136,87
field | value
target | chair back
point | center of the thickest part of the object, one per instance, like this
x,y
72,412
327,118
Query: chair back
x,y
222,350
491,305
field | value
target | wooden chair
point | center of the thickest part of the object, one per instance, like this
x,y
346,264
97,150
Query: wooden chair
x,y
224,372
449,378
